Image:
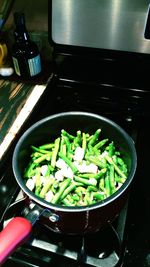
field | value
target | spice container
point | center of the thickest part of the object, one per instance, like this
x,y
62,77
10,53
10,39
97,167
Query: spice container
x,y
25,52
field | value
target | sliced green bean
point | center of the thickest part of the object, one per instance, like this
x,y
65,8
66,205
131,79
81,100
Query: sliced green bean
x,y
94,138
30,171
65,133
101,143
109,159
55,152
111,149
91,181
107,186
96,161
67,203
112,178
98,195
84,142
46,187
62,188
42,158
38,183
69,189
40,150
93,175
46,146
88,198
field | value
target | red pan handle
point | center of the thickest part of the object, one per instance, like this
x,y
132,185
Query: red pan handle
x,y
12,236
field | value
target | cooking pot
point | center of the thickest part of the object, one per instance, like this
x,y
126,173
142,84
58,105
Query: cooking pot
x,y
68,220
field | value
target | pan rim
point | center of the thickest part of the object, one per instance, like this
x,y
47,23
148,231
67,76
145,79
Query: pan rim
x,y
55,207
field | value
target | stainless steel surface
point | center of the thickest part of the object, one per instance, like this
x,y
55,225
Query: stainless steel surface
x,y
108,24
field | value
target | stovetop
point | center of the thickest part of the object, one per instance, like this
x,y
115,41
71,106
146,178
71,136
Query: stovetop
x,y
126,241
103,248
134,235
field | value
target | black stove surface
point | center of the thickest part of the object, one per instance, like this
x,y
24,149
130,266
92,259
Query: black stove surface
x,y
126,241
103,248
130,242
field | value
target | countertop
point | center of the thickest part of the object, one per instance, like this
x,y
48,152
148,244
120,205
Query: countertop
x,y
17,100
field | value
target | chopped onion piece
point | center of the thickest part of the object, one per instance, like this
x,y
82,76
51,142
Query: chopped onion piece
x,y
79,154
44,169
30,184
60,163
49,196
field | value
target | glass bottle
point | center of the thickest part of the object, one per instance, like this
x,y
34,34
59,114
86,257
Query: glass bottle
x,y
25,53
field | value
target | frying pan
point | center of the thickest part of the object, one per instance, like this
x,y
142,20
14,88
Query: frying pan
x,y
60,219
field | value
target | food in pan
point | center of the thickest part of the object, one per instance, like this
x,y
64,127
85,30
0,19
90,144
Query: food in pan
x,y
76,170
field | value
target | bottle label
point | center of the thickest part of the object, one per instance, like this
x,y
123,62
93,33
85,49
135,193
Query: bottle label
x,y
16,66
34,65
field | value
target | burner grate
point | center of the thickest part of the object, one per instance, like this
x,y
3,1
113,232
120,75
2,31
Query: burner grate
x,y
103,248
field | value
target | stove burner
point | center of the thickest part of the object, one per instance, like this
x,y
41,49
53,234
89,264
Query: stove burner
x,y
103,248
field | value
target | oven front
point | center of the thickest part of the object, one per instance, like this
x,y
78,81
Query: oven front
x,y
102,86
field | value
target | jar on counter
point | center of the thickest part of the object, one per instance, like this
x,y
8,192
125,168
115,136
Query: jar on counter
x,y
25,53
3,53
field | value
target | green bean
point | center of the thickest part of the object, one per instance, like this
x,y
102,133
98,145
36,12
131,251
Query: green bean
x,y
49,170
123,166
93,175
91,181
84,141
100,173
65,133
55,186
96,161
70,199
62,188
75,197
55,152
36,155
69,152
42,158
62,144
111,149
46,187
46,146
107,185
119,179
112,178
77,140
38,181
88,198
109,159
40,150
80,190
114,158
92,188
67,203
98,195
87,175
94,137
29,171
69,189
101,143
102,184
